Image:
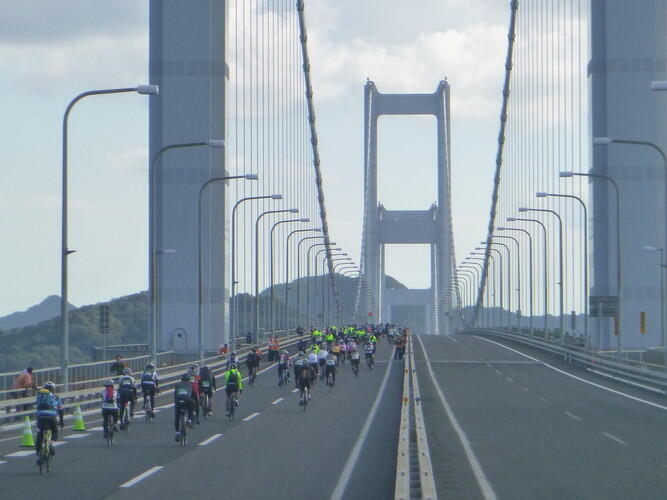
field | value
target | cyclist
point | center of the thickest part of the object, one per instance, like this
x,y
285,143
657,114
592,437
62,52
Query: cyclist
x,y
305,375
208,387
184,400
354,359
298,366
193,373
369,349
127,390
373,339
335,351
233,360
301,345
330,339
331,368
149,385
312,361
110,404
250,363
283,366
233,386
49,407
321,361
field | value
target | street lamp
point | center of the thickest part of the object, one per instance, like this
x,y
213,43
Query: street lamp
x,y
530,268
585,209
482,257
326,256
619,274
509,278
287,240
257,221
152,217
233,273
478,266
64,250
316,245
271,265
662,299
298,272
200,293
518,275
561,285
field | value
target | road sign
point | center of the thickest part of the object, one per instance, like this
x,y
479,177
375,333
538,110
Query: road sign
x,y
603,305
642,322
104,319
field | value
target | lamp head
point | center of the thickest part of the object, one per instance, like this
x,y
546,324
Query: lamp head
x,y
511,219
294,210
651,249
501,228
523,209
659,85
216,143
305,219
566,174
541,194
276,196
251,177
318,229
602,141
148,89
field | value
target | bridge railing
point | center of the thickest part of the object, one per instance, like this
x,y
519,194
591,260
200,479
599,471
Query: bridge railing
x,y
642,374
87,392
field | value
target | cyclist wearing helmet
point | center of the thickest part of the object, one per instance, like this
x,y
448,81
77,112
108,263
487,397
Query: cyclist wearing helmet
x,y
283,366
49,407
193,372
149,385
184,400
110,404
207,385
233,386
298,365
127,391
233,360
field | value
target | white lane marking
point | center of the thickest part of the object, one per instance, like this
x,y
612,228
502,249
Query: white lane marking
x,y
210,440
277,401
76,436
484,485
167,406
452,339
562,372
250,417
545,400
498,372
58,443
614,438
295,390
3,462
488,364
23,453
95,429
510,380
351,463
141,476
572,415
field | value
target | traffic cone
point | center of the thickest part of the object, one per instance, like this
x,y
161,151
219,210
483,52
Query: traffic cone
x,y
28,441
78,420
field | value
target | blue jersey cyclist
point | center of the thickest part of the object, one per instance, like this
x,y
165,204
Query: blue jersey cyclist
x,y
49,408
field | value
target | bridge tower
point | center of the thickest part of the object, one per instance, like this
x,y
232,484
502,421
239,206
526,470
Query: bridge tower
x,y
382,227
628,52
188,44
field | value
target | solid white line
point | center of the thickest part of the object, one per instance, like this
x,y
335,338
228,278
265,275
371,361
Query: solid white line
x,y
3,462
58,443
295,390
345,476
277,401
614,438
250,417
499,372
484,485
562,372
210,440
452,339
572,415
23,453
100,428
76,436
142,476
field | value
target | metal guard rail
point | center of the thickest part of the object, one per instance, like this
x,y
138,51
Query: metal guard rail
x,y
169,376
644,375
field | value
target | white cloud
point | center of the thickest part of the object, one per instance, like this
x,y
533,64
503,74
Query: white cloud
x,y
133,159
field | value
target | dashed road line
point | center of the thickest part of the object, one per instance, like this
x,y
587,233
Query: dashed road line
x,y
22,453
498,372
96,429
3,462
295,390
510,380
572,415
142,476
277,401
250,417
76,436
545,400
210,440
58,443
613,438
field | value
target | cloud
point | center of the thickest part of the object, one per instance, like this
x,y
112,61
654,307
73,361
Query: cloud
x,y
133,159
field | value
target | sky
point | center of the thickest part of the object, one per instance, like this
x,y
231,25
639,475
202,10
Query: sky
x,y
51,51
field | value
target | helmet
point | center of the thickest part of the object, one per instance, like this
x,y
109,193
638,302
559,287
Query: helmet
x,y
185,378
150,366
193,370
50,386
284,351
232,366
234,353
204,367
108,383
127,371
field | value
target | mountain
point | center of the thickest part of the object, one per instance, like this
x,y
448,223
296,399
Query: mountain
x,y
47,309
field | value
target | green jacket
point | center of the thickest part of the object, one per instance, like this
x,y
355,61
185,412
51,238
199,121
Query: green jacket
x,y
229,373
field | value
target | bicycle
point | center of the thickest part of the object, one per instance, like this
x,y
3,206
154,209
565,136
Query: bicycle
x,y
205,404
232,403
355,367
284,378
183,427
303,398
108,430
370,361
45,457
330,380
252,375
125,423
148,409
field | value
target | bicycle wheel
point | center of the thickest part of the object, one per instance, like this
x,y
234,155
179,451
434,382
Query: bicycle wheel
x,y
184,430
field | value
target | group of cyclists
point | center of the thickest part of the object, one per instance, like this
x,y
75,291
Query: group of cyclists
x,y
194,392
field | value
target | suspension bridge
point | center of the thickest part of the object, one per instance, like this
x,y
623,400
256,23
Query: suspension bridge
x,y
539,369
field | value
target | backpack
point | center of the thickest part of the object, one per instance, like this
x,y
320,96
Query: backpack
x,y
44,401
233,380
250,358
108,396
